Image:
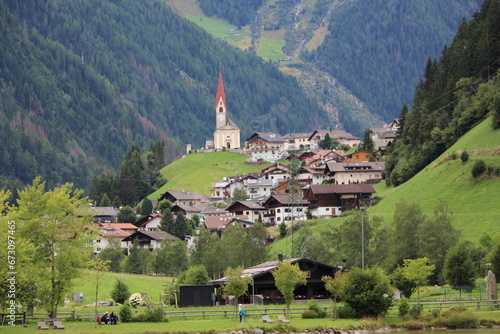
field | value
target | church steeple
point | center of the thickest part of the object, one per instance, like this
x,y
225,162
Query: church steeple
x,y
220,102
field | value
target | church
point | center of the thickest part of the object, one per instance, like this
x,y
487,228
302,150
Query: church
x,y
227,134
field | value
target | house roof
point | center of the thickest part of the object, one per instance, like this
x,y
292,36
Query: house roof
x,y
185,195
266,267
249,204
106,228
360,188
270,137
258,183
337,134
103,210
191,208
286,199
220,222
334,167
146,219
360,151
152,235
297,135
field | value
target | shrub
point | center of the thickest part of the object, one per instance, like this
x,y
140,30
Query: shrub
x,y
403,308
487,322
346,312
462,320
309,314
125,314
478,169
415,311
120,292
150,315
416,325
314,306
464,156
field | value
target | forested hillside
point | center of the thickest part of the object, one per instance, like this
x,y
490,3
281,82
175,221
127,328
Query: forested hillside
x,y
83,80
378,49
458,91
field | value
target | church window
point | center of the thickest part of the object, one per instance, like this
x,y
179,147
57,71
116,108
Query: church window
x,y
221,109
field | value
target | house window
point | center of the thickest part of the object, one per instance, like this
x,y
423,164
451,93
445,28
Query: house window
x,y
265,189
98,241
278,210
357,156
278,219
299,209
247,213
327,209
255,212
288,210
288,218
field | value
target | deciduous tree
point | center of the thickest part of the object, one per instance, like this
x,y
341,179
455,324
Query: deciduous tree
x,y
287,276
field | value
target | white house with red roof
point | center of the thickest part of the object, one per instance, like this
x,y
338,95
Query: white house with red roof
x,y
112,231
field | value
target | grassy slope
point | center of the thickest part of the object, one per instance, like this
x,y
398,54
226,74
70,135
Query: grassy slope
x,y
475,204
198,171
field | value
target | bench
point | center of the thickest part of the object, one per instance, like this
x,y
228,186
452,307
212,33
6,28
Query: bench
x,y
42,325
59,325
282,319
266,318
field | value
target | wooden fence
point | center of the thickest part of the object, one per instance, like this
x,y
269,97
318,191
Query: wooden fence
x,y
214,313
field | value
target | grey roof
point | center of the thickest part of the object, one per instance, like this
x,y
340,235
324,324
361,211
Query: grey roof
x,y
360,188
298,135
186,195
259,182
358,166
154,235
337,134
103,210
268,136
286,199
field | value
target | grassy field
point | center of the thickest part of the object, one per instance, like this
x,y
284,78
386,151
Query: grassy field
x,y
194,326
198,171
271,49
153,285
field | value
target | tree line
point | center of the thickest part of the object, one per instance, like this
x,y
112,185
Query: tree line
x,y
459,90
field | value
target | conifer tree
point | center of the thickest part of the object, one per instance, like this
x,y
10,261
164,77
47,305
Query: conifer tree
x,y
167,222
181,227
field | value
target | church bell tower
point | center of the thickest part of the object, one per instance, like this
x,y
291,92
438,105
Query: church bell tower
x,y
220,103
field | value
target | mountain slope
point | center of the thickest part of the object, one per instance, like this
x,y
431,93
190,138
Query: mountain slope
x,y
89,78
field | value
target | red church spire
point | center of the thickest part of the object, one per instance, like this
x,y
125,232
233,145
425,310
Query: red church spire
x,y
220,91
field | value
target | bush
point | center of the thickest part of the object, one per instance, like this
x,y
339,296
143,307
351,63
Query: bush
x,y
150,315
346,312
310,314
416,325
403,308
314,306
125,314
457,320
120,292
415,311
478,169
464,156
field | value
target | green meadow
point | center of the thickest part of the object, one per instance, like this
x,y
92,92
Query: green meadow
x,y
222,29
198,171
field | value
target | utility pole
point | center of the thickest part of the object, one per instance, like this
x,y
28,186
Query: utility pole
x,y
362,237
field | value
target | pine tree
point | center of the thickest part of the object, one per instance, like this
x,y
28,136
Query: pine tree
x,y
167,222
367,143
181,228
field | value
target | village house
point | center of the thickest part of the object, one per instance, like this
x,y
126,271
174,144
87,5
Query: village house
x,y
148,239
112,231
257,188
189,210
104,214
297,141
344,138
285,208
148,223
354,172
183,197
323,156
331,200
360,156
276,172
265,146
250,209
217,224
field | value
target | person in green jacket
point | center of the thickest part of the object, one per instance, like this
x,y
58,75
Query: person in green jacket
x,y
242,313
